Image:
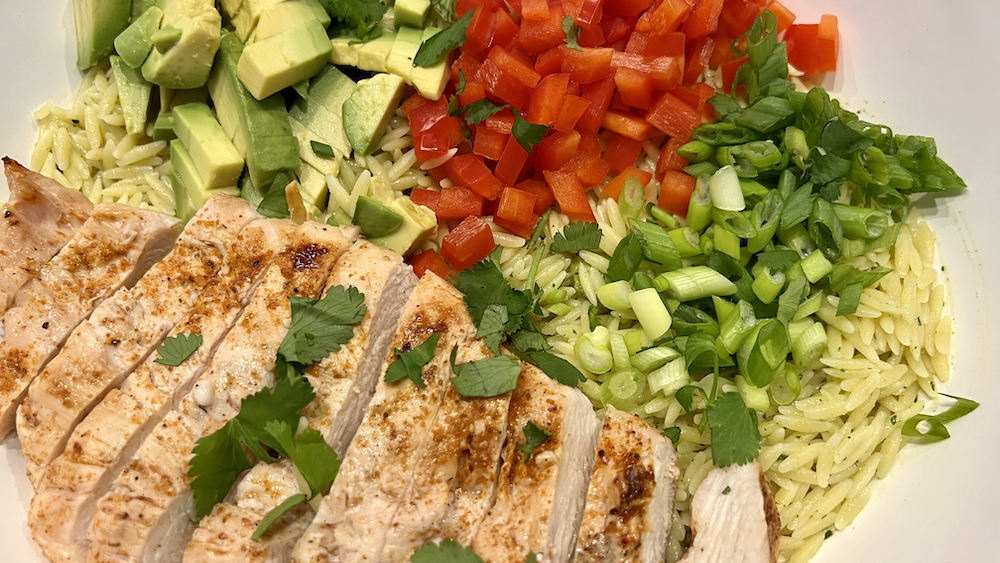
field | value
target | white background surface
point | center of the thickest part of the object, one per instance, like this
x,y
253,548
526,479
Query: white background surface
x,y
921,67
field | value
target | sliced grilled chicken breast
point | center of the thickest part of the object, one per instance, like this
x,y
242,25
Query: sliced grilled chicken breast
x,y
113,248
123,330
104,443
38,221
455,480
148,515
539,502
378,468
734,518
344,382
631,497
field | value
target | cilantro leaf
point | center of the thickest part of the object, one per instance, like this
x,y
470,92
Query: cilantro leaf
x,y
484,285
735,437
491,328
672,433
532,557
479,110
176,349
626,258
360,16
577,236
321,326
529,340
313,457
527,133
685,396
275,204
557,368
435,48
534,436
218,461
488,377
276,513
450,551
572,32
454,106
778,260
411,364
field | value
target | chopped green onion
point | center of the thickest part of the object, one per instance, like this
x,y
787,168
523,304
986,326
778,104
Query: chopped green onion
x,y
752,188
554,296
725,189
795,144
622,390
763,352
809,306
816,266
808,341
632,198
651,312
657,244
614,295
736,325
825,229
619,352
706,168
696,151
699,213
653,358
686,241
665,219
706,243
754,397
696,282
560,309
850,298
642,281
637,340
767,284
601,337
784,390
787,183
669,378
722,307
937,430
797,239
321,149
767,114
736,221
861,222
596,360
765,219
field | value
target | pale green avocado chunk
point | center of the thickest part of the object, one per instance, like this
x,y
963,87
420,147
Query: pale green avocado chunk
x,y
98,23
430,81
269,66
218,162
419,222
165,38
368,110
345,51
279,18
169,99
139,7
321,112
375,219
305,136
133,95
411,13
245,14
404,48
373,54
260,130
190,193
312,188
188,62
134,44
163,127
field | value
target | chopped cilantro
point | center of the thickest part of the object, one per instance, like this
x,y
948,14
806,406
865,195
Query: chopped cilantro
x,y
534,436
479,110
276,513
434,49
572,32
275,203
488,377
411,364
526,133
360,16
557,368
449,551
492,328
454,106
735,438
176,349
321,326
727,490
577,236
672,433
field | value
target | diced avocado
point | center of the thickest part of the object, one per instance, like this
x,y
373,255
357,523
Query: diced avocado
x,y
163,127
245,14
331,88
165,38
183,207
339,218
321,112
98,23
133,44
345,51
196,191
376,220
373,54
312,187
305,136
368,110
419,222
249,192
400,60
269,66
133,94
302,88
412,13
430,81
169,98
279,18
188,63
218,162
259,129
139,7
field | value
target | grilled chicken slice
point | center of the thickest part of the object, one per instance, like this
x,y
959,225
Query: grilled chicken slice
x,y
455,480
734,518
38,221
104,443
123,330
351,523
344,382
631,498
539,502
113,248
149,513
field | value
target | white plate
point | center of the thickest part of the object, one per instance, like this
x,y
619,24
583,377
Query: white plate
x,y
927,68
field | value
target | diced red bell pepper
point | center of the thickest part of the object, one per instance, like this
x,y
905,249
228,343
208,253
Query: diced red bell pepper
x,y
722,52
635,87
412,103
516,206
674,117
704,19
667,45
504,86
502,122
547,99
438,174
784,16
622,152
599,95
591,37
813,48
537,36
665,18
591,170
490,207
666,72
429,261
627,125
669,159
469,66
542,193
480,33
436,141
728,71
568,191
739,15
675,192
587,66
459,202
468,243
590,13
613,189
511,162
506,30
616,29
637,43
469,170
572,109
697,96
548,62
489,144
474,91
535,10
627,8
699,52
557,149
427,114
514,67
523,231
427,198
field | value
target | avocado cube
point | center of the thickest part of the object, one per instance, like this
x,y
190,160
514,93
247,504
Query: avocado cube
x,y
345,51
183,208
412,13
169,98
215,157
404,48
188,63
321,111
163,127
271,65
98,23
134,44
312,187
133,94
368,110
419,222
331,88
279,18
305,136
197,192
373,54
139,7
245,14
430,81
